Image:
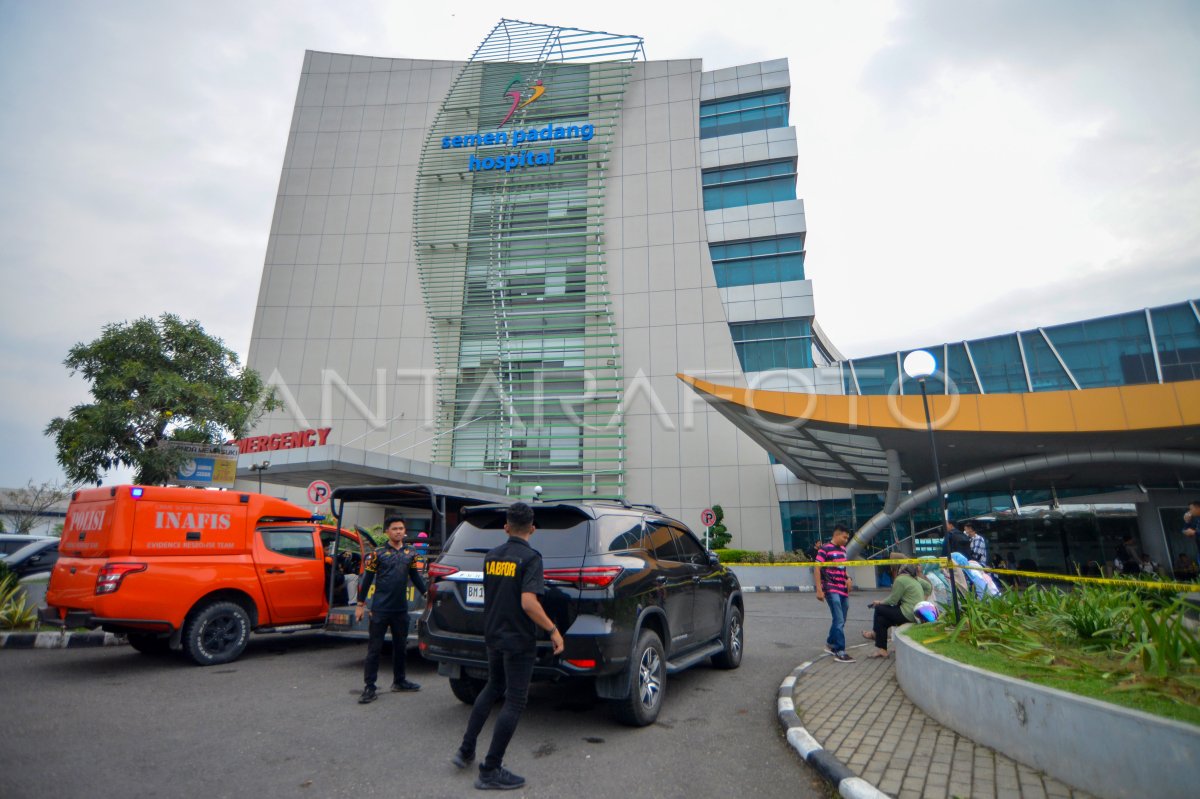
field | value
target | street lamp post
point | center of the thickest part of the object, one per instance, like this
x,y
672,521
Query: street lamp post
x,y
919,365
260,468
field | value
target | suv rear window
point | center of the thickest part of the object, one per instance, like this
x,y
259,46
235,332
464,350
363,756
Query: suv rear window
x,y
559,533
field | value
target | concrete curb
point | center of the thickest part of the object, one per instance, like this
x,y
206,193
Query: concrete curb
x,y
776,589
1104,749
57,640
847,783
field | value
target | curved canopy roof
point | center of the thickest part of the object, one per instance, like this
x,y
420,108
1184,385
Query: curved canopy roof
x,y
842,440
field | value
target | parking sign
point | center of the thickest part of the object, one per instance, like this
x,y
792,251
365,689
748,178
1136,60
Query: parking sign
x,y
318,492
708,517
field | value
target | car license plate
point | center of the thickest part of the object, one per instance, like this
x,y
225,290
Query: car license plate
x,y
474,593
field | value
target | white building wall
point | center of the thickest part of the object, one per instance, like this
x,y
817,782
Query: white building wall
x,y
340,318
681,454
341,325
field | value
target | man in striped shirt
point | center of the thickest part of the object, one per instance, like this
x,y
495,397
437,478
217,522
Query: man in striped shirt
x,y
833,585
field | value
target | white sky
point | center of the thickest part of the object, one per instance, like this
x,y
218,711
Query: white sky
x,y
967,168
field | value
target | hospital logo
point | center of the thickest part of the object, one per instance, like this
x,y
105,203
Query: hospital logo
x,y
515,94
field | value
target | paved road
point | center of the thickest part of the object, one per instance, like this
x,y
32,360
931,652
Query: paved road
x,y
283,721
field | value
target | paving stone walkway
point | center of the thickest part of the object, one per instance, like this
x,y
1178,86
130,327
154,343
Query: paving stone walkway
x,y
858,712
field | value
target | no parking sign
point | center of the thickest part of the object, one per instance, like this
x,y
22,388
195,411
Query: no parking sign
x,y
318,492
708,517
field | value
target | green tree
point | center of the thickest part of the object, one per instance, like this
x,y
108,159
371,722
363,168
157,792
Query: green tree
x,y
154,381
25,508
718,535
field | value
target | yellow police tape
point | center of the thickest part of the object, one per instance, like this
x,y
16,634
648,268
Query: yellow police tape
x,y
1072,578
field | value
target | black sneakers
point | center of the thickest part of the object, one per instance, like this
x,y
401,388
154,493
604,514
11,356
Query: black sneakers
x,y
842,657
407,685
368,695
499,779
462,759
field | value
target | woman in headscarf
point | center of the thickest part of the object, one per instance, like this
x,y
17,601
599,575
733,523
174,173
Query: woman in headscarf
x,y
898,608
941,586
981,580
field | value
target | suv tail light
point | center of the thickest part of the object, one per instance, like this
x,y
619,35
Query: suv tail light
x,y
111,575
440,570
585,577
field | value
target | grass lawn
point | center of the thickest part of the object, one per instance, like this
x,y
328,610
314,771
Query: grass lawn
x,y
1094,687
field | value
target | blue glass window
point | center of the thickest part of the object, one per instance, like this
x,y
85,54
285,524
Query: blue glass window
x,y
959,369
998,361
743,263
1178,336
1114,351
742,114
876,375
778,344
769,182
1045,372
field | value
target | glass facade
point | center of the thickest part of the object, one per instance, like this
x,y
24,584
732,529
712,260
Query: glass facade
x,y
1056,540
1178,337
513,273
1111,351
744,263
808,523
774,344
744,114
772,181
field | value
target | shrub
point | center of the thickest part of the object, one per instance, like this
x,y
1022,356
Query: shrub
x,y
15,610
751,556
1117,634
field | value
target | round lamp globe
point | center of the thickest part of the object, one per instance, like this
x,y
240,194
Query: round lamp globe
x,y
919,364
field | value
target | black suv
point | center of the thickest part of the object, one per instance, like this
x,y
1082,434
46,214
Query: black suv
x,y
635,594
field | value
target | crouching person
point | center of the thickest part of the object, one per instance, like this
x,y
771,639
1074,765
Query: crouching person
x,y
898,608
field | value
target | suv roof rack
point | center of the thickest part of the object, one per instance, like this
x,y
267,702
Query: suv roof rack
x,y
597,500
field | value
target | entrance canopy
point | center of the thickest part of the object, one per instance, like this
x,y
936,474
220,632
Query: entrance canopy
x,y
839,440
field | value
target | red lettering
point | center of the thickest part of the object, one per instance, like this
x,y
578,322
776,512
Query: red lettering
x,y
294,440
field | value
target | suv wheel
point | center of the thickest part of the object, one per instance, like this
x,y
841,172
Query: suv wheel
x,y
466,689
216,633
732,639
647,683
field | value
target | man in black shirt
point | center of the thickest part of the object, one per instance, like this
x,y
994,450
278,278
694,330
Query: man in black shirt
x,y
388,570
512,613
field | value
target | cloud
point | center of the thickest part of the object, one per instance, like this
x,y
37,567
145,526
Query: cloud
x,y
966,167
1041,166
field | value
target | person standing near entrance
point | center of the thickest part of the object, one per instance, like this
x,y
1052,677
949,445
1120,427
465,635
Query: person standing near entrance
x,y
833,586
512,615
388,570
979,547
1191,524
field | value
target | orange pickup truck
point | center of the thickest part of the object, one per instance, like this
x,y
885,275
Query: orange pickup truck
x,y
182,568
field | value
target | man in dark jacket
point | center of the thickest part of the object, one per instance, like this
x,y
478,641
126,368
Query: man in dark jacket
x,y
513,583
957,541
388,570
1127,560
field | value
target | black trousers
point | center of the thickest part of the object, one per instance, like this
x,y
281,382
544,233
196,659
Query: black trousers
x,y
886,617
508,676
378,627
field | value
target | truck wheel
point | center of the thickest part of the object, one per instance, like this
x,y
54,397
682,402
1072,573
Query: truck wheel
x,y
216,633
466,689
647,683
149,643
732,639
